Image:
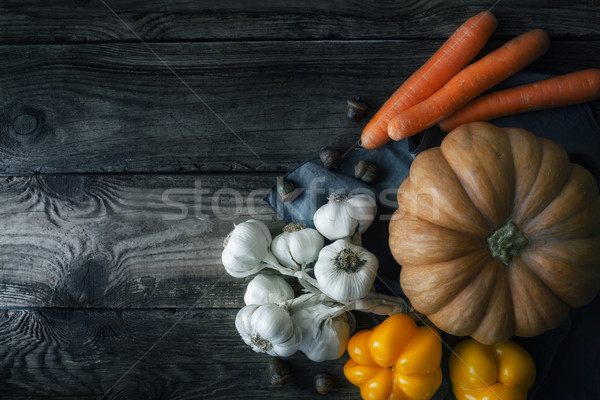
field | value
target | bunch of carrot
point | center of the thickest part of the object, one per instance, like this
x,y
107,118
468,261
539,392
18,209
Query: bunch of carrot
x,y
445,89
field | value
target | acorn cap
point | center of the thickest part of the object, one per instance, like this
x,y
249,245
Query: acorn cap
x,y
366,171
279,373
330,157
355,109
284,186
323,383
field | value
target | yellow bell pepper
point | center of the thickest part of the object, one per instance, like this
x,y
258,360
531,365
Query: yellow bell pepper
x,y
501,372
396,360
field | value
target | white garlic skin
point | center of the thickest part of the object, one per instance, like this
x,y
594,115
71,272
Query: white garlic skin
x,y
299,248
268,328
323,338
267,288
345,215
247,246
345,285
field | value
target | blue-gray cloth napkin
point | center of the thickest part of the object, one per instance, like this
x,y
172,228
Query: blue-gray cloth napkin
x,y
568,357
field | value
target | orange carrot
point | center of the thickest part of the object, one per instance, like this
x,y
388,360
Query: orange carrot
x,y
574,88
469,83
447,61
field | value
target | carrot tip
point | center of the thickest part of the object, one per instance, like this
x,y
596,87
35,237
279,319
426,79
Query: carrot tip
x,y
464,44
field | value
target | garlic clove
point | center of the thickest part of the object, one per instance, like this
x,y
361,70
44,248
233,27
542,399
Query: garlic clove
x,y
323,337
305,245
345,215
242,322
245,248
335,220
263,289
260,226
240,267
268,328
297,248
330,343
289,347
280,249
364,208
272,323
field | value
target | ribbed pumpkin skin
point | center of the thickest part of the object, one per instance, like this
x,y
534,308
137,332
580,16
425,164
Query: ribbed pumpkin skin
x,y
458,195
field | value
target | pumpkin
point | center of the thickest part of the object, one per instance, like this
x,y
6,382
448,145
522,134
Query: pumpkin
x,y
497,233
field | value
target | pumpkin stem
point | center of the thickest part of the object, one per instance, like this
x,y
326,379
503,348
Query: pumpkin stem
x,y
507,242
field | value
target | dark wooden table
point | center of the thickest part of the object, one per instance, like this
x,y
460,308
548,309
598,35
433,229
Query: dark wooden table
x,y
134,134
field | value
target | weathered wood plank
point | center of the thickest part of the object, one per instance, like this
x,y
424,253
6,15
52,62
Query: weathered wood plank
x,y
120,108
91,21
169,354
124,241
152,354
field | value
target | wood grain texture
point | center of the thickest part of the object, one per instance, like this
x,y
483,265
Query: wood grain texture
x,y
96,267
80,21
124,241
152,354
271,105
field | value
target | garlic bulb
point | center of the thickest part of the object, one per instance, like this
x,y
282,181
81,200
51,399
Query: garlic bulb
x,y
246,248
345,271
247,251
263,289
325,335
345,215
268,328
297,246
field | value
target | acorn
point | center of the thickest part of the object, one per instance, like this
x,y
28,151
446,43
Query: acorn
x,y
355,110
366,171
330,157
286,189
284,186
323,383
279,373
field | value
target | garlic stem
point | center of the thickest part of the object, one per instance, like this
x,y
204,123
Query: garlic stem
x,y
317,297
307,286
356,238
272,262
380,307
388,298
377,303
335,308
396,304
